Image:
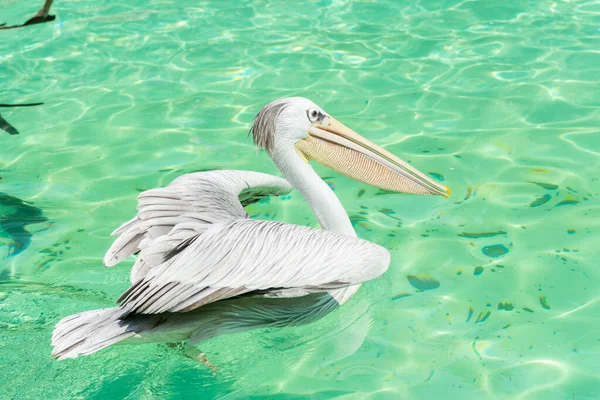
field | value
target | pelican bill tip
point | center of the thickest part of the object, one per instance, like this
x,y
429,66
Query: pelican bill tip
x,y
448,192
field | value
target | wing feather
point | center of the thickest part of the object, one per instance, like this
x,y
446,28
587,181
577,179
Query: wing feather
x,y
244,256
194,201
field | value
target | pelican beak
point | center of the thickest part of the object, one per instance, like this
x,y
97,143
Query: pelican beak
x,y
338,147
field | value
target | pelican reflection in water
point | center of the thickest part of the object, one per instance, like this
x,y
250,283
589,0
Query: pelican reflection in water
x,y
205,268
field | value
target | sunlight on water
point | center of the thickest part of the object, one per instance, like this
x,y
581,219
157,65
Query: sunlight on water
x,y
492,293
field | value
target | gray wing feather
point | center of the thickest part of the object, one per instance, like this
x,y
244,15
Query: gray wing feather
x,y
245,256
188,205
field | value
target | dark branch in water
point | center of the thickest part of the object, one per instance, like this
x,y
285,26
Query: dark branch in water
x,y
4,125
21,105
41,17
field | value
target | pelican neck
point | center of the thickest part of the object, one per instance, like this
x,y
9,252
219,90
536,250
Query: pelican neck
x,y
325,204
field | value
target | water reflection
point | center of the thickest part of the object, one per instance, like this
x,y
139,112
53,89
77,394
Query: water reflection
x,y
15,216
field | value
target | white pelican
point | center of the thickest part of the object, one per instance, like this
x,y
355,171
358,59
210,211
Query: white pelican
x,y
205,268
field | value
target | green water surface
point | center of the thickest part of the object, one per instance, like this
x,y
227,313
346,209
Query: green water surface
x,y
493,293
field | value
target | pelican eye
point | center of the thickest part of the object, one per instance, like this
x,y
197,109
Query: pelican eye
x,y
314,115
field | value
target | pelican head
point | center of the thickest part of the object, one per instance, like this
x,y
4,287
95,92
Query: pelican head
x,y
300,124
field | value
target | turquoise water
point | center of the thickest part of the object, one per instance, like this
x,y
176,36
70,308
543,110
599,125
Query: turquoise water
x,y
493,293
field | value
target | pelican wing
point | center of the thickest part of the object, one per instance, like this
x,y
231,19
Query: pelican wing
x,y
186,207
253,257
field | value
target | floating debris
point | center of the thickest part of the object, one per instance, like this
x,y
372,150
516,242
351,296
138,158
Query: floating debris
x,y
401,296
331,184
495,250
547,186
200,169
53,253
470,192
569,200
544,302
355,219
506,306
529,310
540,201
388,211
478,271
468,195
470,314
437,176
381,192
503,146
483,317
478,355
423,282
365,226
430,375
478,235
